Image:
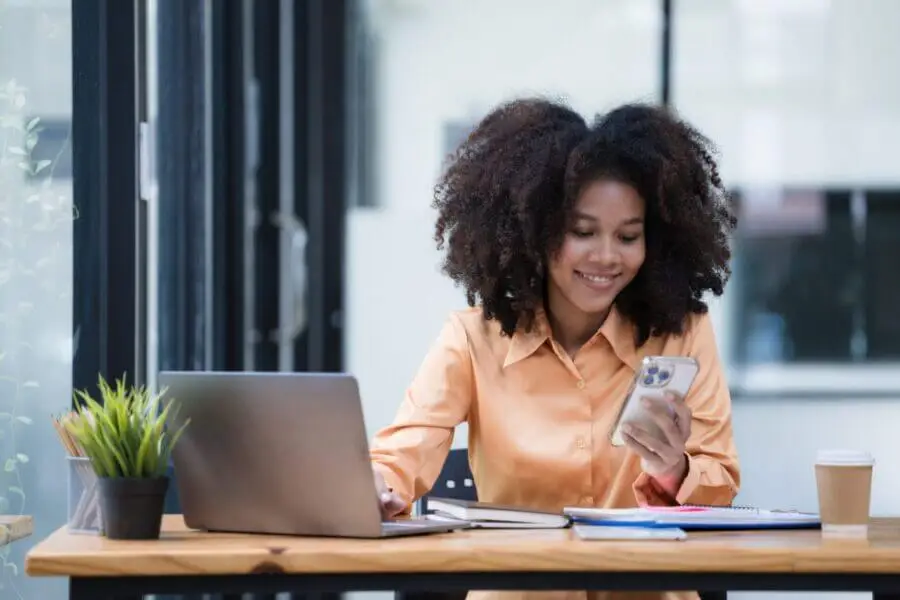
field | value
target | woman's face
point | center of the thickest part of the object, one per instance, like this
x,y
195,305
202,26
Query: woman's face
x,y
603,249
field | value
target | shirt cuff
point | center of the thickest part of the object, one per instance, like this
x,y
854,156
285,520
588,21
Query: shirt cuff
x,y
650,492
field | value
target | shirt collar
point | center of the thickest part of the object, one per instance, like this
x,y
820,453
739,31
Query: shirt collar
x,y
526,343
617,330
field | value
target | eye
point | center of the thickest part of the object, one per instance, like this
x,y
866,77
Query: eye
x,y
631,238
582,233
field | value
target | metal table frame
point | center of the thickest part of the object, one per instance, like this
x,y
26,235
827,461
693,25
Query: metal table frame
x,y
883,586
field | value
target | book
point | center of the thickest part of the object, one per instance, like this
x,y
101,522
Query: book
x,y
689,517
485,514
439,517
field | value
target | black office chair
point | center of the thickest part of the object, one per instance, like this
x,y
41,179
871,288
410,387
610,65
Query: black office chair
x,y
456,481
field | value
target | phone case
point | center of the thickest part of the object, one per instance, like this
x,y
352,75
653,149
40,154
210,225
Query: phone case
x,y
657,375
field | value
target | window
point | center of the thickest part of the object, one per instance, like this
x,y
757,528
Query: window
x,y
36,225
802,100
817,284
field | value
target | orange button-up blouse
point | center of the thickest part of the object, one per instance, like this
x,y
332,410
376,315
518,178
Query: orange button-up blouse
x,y
539,420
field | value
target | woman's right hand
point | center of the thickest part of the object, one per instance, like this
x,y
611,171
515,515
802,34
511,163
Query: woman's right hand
x,y
391,503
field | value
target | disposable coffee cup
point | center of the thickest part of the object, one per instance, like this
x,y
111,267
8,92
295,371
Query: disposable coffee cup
x,y
844,483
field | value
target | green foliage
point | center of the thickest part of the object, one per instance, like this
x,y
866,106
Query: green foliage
x,y
123,433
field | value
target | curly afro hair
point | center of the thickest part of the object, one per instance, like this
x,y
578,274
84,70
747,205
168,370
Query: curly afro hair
x,y
506,196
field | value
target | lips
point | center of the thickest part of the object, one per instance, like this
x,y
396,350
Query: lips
x,y
597,281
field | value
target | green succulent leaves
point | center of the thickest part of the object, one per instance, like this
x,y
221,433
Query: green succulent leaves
x,y
124,434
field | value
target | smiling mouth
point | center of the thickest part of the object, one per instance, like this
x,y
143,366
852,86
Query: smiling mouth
x,y
599,280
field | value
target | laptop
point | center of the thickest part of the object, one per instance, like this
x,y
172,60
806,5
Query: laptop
x,y
277,453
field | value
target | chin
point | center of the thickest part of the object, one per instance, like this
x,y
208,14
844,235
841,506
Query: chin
x,y
596,307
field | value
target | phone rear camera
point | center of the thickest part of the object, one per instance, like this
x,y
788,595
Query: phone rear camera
x,y
648,381
664,376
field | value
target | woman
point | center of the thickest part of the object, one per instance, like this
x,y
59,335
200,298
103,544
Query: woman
x,y
581,249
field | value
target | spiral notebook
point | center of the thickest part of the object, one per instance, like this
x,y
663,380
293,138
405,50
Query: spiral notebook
x,y
696,517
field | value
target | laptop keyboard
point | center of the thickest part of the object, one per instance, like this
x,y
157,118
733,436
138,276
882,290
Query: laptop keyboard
x,y
402,525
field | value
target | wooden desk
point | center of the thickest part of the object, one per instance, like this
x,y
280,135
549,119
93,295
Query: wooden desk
x,y
188,562
15,527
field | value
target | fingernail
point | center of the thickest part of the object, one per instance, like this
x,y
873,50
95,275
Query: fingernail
x,y
385,497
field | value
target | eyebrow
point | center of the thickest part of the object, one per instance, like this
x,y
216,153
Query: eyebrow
x,y
586,217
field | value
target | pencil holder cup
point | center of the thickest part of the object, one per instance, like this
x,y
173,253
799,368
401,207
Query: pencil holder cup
x,y
83,514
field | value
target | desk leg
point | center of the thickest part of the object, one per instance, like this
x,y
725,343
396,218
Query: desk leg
x,y
81,589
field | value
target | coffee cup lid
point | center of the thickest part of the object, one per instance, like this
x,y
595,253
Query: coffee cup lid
x,y
844,457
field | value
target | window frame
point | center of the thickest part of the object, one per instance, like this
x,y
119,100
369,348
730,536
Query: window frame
x,y
802,380
106,332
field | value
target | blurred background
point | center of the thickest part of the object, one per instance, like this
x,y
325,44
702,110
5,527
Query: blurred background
x,y
246,185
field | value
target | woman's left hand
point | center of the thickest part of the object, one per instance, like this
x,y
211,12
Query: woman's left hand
x,y
662,449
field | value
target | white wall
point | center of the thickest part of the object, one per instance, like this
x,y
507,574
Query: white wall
x,y
446,61
824,111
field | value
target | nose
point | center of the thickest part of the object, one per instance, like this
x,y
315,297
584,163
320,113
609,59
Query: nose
x,y
605,251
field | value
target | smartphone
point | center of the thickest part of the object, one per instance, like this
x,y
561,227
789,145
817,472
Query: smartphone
x,y
656,376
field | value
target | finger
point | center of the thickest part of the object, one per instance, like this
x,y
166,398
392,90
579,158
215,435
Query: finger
x,y
684,418
657,486
391,504
650,442
640,449
674,397
657,406
647,440
394,504
681,412
661,492
667,423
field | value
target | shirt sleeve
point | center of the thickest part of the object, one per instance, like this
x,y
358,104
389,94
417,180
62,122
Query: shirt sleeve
x,y
713,475
410,452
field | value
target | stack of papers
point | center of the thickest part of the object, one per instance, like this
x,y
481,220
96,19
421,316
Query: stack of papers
x,y
695,517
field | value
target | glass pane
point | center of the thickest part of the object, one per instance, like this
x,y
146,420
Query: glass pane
x,y
792,308
436,69
180,214
35,275
882,275
803,101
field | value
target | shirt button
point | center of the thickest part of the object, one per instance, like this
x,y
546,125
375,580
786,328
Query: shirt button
x,y
581,384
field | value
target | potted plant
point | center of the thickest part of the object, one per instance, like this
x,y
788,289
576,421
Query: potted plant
x,y
125,437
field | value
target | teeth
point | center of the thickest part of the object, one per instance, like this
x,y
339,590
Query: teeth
x,y
596,278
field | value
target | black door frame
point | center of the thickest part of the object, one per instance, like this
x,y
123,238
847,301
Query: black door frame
x,y
106,333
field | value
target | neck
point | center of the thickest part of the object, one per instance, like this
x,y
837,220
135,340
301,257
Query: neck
x,y
571,327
